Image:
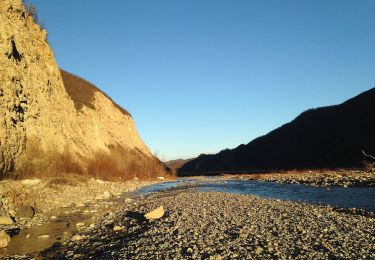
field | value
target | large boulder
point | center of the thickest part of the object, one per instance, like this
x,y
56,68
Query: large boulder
x,y
25,211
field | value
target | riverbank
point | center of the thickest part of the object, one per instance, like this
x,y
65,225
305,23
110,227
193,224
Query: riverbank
x,y
342,178
208,225
26,205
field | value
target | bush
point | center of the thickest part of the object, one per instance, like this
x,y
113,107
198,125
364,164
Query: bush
x,y
122,164
37,163
118,164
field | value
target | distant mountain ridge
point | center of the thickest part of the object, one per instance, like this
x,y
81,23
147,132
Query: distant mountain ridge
x,y
174,165
325,137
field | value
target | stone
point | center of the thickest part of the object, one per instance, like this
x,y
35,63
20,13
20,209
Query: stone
x,y
155,214
128,200
77,237
44,236
118,228
4,239
5,220
25,211
258,250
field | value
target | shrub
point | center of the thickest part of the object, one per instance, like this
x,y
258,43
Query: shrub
x,y
118,164
37,163
123,164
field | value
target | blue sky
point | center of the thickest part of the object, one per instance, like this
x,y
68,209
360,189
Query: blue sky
x,y
199,76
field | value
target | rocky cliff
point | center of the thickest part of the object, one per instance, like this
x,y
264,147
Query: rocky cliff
x,y
36,108
326,137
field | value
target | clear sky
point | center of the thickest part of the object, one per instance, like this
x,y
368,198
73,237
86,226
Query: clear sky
x,y
199,76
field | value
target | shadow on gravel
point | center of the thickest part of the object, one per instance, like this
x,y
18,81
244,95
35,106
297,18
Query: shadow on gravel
x,y
139,217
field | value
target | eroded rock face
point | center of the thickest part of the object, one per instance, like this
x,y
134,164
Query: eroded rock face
x,y
35,107
32,96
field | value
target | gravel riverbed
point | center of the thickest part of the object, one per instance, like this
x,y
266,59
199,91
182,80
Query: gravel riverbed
x,y
209,225
344,178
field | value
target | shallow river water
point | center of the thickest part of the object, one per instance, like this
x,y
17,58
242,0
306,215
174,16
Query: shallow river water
x,y
351,197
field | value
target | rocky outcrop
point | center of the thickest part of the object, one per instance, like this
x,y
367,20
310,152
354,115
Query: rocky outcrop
x,y
102,122
35,107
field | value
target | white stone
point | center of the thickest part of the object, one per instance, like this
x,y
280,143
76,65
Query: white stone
x,y
44,236
155,214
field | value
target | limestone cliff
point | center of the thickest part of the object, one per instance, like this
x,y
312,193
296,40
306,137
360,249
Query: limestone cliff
x,y
35,105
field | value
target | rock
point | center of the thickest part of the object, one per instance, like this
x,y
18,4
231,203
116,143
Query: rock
x,y
44,236
53,217
243,233
258,250
4,239
25,211
77,237
155,214
128,200
118,228
80,224
4,220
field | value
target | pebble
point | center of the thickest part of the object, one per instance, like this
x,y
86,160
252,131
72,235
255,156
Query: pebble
x,y
118,228
44,236
77,238
208,224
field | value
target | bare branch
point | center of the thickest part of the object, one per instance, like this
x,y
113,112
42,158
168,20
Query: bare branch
x,y
368,155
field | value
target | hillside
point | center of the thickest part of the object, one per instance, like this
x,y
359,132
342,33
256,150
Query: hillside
x,y
326,137
56,122
174,165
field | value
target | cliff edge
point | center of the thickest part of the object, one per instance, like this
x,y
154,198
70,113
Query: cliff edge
x,y
38,111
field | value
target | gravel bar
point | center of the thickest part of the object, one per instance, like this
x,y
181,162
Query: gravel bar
x,y
210,225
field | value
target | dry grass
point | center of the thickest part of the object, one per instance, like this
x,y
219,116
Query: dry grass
x,y
37,163
122,164
67,179
82,92
116,165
